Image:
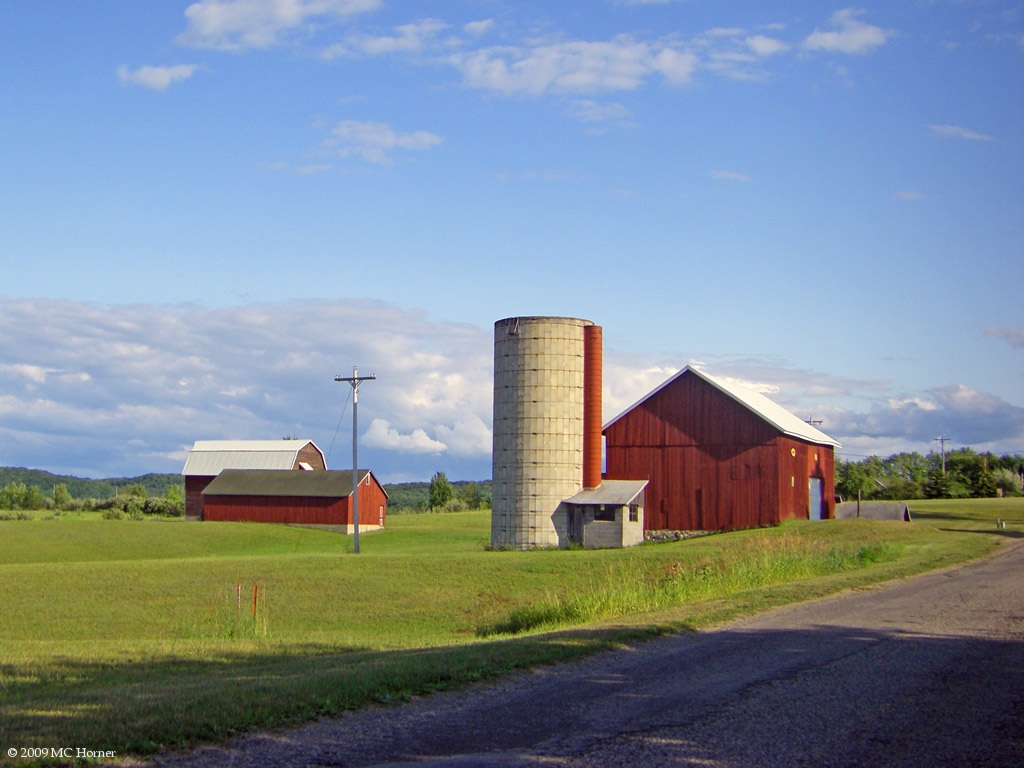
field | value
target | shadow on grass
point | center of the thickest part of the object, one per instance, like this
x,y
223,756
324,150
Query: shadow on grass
x,y
830,680
145,706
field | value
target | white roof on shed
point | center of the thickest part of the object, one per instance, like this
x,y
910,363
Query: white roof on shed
x,y
786,422
210,457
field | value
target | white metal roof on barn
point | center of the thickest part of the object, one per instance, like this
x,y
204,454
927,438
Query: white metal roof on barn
x,y
786,422
210,457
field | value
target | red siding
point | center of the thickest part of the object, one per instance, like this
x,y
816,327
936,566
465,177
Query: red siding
x,y
275,509
300,510
712,463
194,487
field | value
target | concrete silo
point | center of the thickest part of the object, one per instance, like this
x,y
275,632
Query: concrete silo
x,y
546,371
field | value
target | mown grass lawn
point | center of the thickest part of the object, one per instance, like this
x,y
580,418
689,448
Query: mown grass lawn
x,y
135,636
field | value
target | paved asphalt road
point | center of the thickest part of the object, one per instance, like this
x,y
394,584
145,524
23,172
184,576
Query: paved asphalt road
x,y
923,672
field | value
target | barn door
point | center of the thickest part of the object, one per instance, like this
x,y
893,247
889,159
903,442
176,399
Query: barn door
x,y
815,501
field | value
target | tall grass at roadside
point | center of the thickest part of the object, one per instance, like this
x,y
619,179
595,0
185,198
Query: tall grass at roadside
x,y
755,562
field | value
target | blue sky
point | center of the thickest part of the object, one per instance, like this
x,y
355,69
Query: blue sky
x,y
210,209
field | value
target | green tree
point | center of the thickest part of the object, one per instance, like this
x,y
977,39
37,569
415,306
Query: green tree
x,y
134,490
1007,481
936,484
853,476
33,498
61,496
440,491
12,495
471,496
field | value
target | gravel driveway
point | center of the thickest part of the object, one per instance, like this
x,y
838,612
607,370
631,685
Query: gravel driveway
x,y
927,671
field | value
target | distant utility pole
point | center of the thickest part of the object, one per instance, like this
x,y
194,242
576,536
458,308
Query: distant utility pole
x,y
942,447
355,380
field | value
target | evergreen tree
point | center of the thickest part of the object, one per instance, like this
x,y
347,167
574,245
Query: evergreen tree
x,y
441,492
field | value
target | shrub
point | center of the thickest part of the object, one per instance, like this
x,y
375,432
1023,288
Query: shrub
x,y
166,507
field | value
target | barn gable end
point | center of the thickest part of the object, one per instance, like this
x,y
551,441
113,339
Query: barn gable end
x,y
719,457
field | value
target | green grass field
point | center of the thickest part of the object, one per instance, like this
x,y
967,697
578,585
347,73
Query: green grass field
x,y
135,636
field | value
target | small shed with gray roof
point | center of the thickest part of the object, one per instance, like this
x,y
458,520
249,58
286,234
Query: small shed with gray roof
x,y
208,458
611,515
299,498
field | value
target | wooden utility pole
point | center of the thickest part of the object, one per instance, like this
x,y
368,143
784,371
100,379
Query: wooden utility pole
x,y
355,380
942,447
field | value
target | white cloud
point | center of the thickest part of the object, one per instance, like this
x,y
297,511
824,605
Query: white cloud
x,y
235,25
467,437
766,46
478,28
909,196
590,111
850,35
576,66
34,374
156,78
408,38
382,435
375,142
956,132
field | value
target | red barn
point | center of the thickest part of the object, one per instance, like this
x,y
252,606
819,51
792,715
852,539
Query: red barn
x,y
300,498
720,457
208,458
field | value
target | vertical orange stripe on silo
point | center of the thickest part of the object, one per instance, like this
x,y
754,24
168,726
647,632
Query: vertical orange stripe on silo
x,y
593,365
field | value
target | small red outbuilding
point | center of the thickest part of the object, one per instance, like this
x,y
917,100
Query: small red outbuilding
x,y
299,498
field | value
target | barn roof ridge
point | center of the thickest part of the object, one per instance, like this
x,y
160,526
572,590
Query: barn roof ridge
x,y
209,457
773,413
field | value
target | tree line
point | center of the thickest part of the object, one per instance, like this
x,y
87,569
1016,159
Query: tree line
x,y
959,474
131,500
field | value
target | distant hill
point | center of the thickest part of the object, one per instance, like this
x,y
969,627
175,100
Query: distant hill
x,y
84,488
401,496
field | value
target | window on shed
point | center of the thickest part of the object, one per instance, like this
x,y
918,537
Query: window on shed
x,y
634,513
605,512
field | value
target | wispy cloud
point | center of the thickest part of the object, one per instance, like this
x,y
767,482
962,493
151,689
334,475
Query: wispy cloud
x,y
1012,336
376,142
957,132
406,38
236,25
156,78
590,111
576,66
909,196
729,176
848,34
